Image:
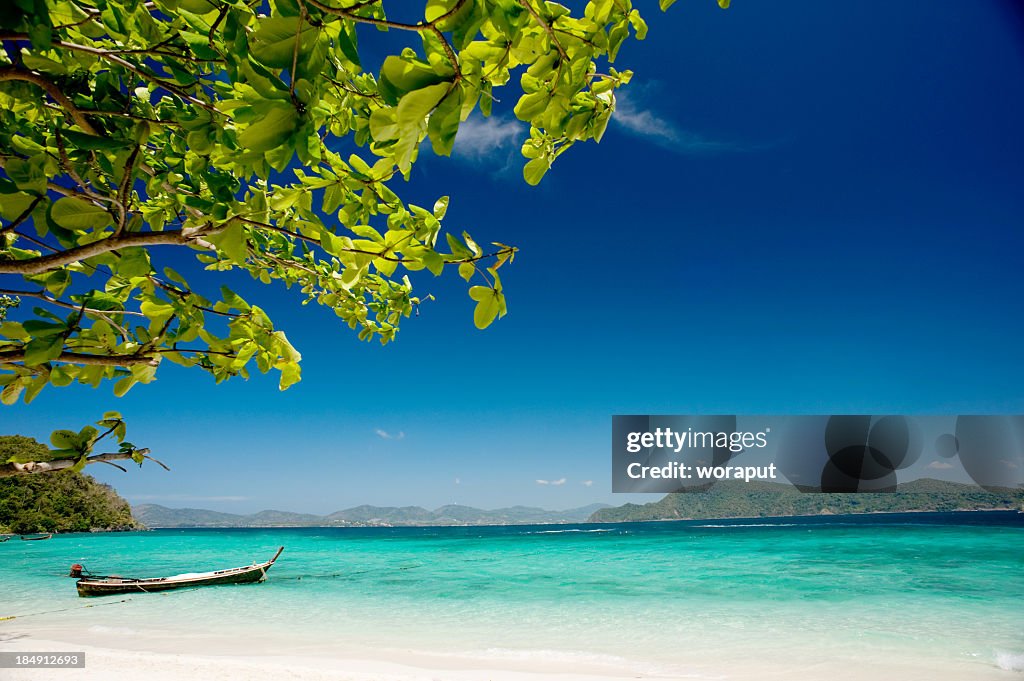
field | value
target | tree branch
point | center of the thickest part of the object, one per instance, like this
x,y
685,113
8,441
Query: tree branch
x,y
21,218
382,255
44,263
107,55
9,470
15,356
431,26
547,28
51,88
347,13
41,295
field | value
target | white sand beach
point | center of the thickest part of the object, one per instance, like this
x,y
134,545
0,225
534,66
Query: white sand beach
x,y
107,664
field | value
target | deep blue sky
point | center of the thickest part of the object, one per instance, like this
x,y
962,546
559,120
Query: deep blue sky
x,y
805,208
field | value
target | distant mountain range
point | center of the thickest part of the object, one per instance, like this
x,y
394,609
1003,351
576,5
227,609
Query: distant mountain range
x,y
153,515
727,499
737,499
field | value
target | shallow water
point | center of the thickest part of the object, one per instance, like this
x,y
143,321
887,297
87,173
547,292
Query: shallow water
x,y
652,597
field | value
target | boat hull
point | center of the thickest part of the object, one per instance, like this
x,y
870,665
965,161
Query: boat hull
x,y
110,586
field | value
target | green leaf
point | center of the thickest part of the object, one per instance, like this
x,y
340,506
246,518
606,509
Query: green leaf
x,y
197,6
402,74
13,330
532,105
43,349
13,205
347,41
274,128
444,122
534,170
273,43
58,281
79,215
41,63
383,126
34,387
441,207
134,262
488,305
156,311
124,385
437,8
291,373
638,24
416,105
332,243
232,241
410,118
11,392
65,439
467,270
38,328
82,140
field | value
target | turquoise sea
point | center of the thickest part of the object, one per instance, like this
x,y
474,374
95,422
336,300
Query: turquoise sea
x,y
651,598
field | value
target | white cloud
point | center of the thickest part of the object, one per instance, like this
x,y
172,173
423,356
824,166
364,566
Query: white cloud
x,y
483,139
587,483
458,481
556,483
648,124
385,435
940,465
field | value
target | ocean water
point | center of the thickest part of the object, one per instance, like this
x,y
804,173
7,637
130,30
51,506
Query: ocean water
x,y
651,598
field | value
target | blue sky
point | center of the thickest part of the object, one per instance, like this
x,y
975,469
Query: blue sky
x,y
801,208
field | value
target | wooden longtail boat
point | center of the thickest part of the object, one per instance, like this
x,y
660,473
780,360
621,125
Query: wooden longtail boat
x,y
45,536
95,585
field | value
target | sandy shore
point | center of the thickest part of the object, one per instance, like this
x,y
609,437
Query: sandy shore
x,y
107,664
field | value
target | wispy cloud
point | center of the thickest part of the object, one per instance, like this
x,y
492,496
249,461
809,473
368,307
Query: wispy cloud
x,y
647,123
482,139
183,497
385,435
458,481
587,483
555,483
940,465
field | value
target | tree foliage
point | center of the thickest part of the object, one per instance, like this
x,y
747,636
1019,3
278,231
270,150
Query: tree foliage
x,y
259,136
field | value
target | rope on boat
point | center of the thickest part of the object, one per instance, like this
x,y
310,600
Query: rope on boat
x,y
91,605
50,612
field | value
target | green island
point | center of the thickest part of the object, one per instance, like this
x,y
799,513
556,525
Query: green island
x,y
737,499
67,501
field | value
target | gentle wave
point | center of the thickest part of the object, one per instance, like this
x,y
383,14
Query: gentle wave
x,y
566,531
752,525
118,631
1011,662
